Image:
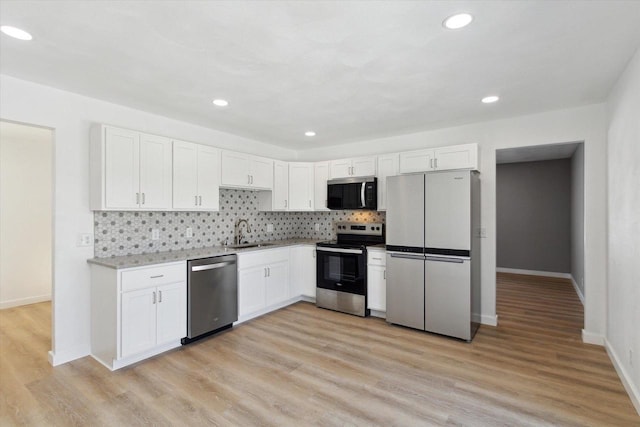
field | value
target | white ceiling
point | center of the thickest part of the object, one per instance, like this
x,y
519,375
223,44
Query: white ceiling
x,y
348,70
536,153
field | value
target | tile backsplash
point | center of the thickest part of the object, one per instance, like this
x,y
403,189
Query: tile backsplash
x,y
129,233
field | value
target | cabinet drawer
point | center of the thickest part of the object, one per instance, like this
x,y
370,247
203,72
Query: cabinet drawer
x,y
376,257
156,275
262,257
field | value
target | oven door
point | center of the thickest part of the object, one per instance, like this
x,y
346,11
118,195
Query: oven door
x,y
342,270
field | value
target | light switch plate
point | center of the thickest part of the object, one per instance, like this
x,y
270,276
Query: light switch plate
x,y
188,232
85,239
317,227
155,234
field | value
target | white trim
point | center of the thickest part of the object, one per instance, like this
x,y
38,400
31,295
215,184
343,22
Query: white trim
x,y
268,309
632,390
378,313
533,272
24,301
486,319
592,338
58,358
578,291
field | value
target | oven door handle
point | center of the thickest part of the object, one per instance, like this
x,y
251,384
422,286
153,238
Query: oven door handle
x,y
339,250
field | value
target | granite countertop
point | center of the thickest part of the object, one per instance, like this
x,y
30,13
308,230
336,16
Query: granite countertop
x,y
140,260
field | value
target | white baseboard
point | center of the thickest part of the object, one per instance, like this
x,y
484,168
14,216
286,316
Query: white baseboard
x,y
592,338
489,320
578,291
24,301
632,389
377,313
533,272
61,357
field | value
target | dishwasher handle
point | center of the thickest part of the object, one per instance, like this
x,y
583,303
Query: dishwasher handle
x,y
211,266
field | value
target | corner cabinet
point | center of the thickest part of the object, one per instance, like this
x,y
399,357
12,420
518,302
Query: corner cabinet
x,y
263,282
137,313
196,177
241,170
463,156
129,170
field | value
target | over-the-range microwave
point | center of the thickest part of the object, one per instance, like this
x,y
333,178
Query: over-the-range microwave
x,y
353,193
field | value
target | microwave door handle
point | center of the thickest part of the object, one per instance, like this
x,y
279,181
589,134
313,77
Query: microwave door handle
x,y
362,194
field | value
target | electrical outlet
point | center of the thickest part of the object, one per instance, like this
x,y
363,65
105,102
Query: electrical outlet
x,y
155,234
483,233
84,239
317,227
188,232
269,228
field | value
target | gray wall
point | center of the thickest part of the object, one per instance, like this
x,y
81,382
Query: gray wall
x,y
577,217
534,215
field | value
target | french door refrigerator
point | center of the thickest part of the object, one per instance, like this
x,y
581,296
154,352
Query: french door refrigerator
x,y
433,254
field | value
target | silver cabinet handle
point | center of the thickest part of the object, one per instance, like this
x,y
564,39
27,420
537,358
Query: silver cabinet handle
x,y
268,271
309,202
159,296
154,297
379,259
431,163
157,277
137,198
251,178
384,274
200,198
436,161
143,198
196,200
285,203
265,272
248,179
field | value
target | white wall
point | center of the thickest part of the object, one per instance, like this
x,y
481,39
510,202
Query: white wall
x,y
71,116
623,327
25,214
586,124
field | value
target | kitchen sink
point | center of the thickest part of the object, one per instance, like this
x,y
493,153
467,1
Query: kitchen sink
x,y
251,245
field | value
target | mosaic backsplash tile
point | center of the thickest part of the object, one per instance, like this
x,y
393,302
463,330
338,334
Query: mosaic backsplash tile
x,y
129,233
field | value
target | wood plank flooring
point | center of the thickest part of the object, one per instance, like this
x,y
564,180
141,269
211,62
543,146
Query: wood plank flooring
x,y
306,366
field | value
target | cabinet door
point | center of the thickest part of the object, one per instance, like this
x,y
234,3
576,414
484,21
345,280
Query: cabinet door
x,y
277,284
185,175
364,166
251,290
155,172
235,169
387,166
457,157
171,312
321,175
377,288
302,271
261,171
416,161
339,168
301,186
122,169
138,321
280,196
208,178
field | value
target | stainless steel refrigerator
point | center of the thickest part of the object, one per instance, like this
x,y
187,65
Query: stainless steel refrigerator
x,y
433,252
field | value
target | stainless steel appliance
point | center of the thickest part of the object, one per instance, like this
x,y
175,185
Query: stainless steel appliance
x,y
433,252
212,296
341,267
353,193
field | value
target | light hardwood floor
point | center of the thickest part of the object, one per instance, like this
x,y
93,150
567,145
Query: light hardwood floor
x,y
302,365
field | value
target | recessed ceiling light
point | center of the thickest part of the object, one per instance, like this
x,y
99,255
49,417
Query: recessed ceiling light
x,y
490,99
310,133
220,102
457,21
16,33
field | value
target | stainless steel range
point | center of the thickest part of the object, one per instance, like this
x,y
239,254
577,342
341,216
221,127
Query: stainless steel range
x,y
342,267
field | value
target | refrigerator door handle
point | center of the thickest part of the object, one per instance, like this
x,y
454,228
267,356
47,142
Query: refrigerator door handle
x,y
439,259
407,256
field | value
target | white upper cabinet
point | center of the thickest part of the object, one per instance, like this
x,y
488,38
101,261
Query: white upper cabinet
x,y
463,156
196,177
345,168
246,171
280,194
129,170
387,166
301,186
321,175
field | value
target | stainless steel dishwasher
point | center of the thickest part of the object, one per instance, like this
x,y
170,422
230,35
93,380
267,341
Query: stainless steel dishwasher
x,y
212,296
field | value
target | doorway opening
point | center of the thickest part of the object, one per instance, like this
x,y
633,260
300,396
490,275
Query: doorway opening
x,y
26,225
540,234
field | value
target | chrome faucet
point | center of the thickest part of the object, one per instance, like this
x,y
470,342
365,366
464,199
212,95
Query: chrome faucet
x,y
238,236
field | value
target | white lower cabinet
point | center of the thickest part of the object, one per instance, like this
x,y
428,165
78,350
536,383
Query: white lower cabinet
x,y
303,271
137,312
376,282
263,282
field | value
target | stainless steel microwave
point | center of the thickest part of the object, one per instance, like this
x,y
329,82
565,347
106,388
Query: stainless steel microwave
x,y
353,193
